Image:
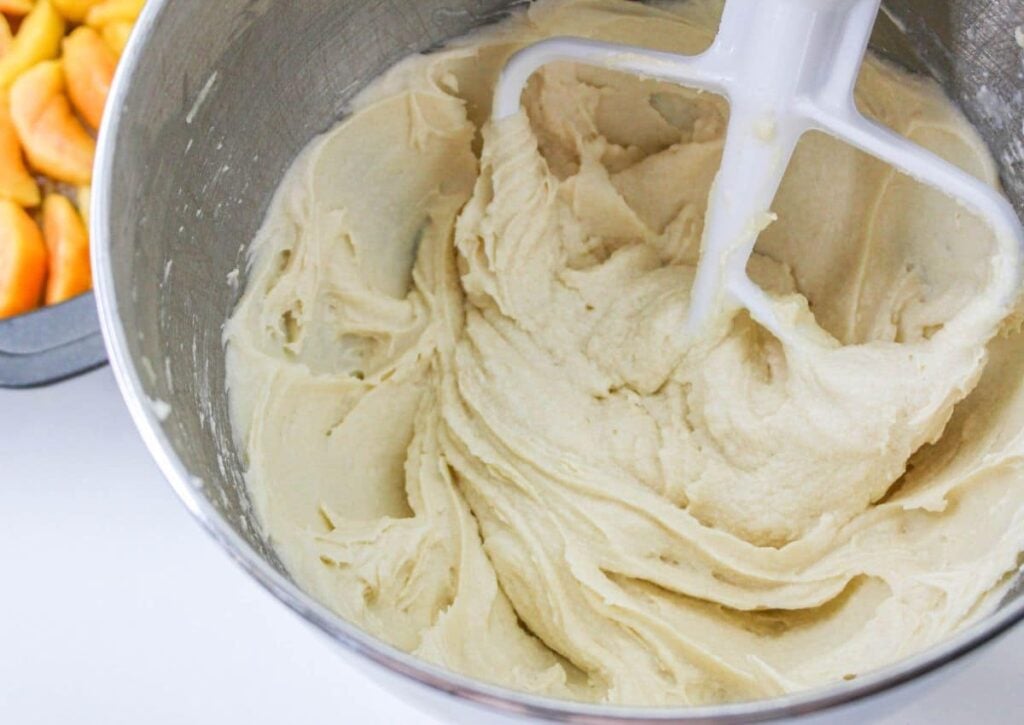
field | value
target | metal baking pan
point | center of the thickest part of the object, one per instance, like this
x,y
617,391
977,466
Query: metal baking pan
x,y
51,344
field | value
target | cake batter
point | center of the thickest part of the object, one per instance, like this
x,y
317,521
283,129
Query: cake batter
x,y
474,426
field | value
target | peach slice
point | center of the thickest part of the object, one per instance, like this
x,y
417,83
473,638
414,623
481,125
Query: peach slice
x,y
15,7
68,244
55,141
116,35
89,66
22,261
112,11
38,39
16,184
6,38
84,201
75,10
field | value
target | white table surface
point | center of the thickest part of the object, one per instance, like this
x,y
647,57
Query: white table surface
x,y
116,608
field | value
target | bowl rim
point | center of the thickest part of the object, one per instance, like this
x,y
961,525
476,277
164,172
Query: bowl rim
x,y
349,636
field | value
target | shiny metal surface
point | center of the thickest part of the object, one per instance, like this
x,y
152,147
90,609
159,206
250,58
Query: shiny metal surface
x,y
213,102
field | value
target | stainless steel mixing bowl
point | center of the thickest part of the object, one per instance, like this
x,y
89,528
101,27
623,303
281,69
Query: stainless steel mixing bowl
x,y
213,102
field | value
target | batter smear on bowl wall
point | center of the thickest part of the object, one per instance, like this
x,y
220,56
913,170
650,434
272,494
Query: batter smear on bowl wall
x,y
474,425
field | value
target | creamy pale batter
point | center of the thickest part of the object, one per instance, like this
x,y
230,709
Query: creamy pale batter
x,y
473,425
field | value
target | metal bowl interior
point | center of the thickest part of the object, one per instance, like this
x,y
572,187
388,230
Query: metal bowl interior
x,y
212,104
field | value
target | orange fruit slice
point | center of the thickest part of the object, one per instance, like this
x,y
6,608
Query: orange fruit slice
x,y
89,66
38,39
116,35
15,7
112,11
22,261
16,184
68,244
54,140
75,10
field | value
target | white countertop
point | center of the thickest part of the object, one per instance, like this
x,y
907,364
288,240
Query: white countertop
x,y
116,608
